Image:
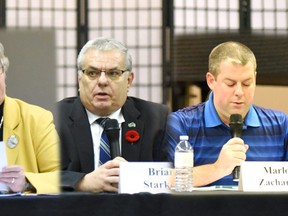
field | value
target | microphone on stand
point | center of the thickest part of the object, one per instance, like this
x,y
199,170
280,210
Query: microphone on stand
x,y
236,124
112,131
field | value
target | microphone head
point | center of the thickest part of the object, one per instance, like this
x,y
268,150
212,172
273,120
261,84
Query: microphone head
x,y
112,132
236,124
111,124
236,119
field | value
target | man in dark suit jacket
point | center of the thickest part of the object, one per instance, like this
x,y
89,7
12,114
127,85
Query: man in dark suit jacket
x,y
104,76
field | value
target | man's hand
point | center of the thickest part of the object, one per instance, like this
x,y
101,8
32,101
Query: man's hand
x,y
104,178
231,155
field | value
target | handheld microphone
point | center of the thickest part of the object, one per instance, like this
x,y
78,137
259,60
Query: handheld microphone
x,y
236,124
112,131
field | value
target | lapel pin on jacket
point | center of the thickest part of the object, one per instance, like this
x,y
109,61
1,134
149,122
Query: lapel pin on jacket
x,y
131,124
12,142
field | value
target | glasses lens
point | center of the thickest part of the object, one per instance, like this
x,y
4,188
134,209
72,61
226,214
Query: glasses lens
x,y
92,74
114,74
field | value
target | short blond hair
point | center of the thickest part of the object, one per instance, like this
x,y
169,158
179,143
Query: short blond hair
x,y
231,51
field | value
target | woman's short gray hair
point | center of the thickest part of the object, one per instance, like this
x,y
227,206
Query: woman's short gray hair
x,y
4,61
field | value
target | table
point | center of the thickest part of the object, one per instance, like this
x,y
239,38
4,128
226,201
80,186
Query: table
x,y
198,203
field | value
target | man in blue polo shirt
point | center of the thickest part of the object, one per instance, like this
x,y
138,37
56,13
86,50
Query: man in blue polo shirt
x,y
232,80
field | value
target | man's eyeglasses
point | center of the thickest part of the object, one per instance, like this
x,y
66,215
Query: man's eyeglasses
x,y
112,74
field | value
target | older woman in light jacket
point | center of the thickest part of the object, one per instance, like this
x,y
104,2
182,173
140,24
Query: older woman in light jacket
x,y
31,143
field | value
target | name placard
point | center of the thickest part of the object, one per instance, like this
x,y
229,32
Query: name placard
x,y
264,176
153,177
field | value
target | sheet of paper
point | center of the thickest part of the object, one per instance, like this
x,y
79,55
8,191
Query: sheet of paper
x,y
3,162
216,187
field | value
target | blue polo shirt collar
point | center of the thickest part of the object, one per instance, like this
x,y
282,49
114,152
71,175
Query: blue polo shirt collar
x,y
252,119
212,119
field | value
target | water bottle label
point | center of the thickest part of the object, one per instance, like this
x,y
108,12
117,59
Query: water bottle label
x,y
184,159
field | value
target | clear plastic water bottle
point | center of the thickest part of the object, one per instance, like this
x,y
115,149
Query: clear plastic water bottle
x,y
183,162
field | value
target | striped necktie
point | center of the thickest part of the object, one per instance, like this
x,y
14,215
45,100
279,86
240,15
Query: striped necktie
x,y
104,143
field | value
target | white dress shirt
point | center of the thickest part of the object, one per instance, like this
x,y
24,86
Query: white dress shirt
x,y
96,131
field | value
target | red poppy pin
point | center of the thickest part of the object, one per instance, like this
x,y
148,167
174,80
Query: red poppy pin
x,y
132,136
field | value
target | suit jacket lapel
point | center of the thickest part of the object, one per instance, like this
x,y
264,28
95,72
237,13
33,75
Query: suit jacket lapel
x,y
12,120
131,151
80,130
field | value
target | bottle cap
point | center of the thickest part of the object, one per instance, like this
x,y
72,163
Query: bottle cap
x,y
184,137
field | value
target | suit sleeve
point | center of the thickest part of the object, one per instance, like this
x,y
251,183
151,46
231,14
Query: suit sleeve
x,y
46,144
